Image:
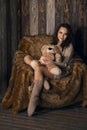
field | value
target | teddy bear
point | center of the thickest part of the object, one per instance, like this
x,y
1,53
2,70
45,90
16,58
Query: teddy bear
x,y
48,56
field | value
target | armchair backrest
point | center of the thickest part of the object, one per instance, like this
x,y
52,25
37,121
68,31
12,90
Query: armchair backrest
x,y
32,44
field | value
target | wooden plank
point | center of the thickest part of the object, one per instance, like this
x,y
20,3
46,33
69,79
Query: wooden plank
x,y
0,46
25,28
8,40
64,11
81,13
33,6
62,3
85,29
74,14
57,13
12,33
81,23
19,21
3,56
74,10
13,13
50,16
68,11
41,17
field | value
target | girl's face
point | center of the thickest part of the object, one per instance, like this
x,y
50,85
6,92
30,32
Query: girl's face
x,y
62,34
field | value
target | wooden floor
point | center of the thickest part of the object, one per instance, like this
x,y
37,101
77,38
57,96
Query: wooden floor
x,y
71,118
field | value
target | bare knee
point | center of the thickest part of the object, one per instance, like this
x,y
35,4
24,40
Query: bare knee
x,y
27,59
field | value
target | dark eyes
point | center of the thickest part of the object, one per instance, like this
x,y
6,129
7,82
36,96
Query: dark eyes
x,y
64,33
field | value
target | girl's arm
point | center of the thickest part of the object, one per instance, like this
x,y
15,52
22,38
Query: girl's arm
x,y
67,54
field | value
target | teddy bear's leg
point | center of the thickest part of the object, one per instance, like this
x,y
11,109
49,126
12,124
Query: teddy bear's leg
x,y
34,99
46,84
56,71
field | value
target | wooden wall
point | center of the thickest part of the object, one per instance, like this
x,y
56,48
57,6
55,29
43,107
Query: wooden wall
x,y
36,17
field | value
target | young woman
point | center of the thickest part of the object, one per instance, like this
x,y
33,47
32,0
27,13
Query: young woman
x,y
63,40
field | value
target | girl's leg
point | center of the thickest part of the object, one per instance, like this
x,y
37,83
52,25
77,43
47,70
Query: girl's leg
x,y
39,74
28,59
34,99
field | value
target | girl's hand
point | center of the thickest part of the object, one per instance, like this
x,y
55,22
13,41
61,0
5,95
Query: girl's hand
x,y
57,49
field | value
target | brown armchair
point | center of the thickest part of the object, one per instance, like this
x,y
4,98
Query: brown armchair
x,y
63,92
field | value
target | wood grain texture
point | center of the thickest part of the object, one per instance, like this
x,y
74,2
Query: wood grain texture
x,y
74,15
33,17
19,19
25,28
50,16
57,12
0,47
41,17
3,46
13,9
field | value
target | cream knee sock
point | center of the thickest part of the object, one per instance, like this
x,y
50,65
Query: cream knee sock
x,y
34,99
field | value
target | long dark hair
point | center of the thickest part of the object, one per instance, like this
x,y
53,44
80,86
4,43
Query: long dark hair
x,y
69,38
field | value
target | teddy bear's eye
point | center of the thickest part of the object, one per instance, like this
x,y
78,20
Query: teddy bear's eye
x,y
50,48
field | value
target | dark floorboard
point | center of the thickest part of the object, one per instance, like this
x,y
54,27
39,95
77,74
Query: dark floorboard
x,y
71,118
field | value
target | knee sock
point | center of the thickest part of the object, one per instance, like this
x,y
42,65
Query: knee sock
x,y
34,99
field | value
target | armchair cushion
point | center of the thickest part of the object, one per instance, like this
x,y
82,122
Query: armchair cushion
x,y
63,92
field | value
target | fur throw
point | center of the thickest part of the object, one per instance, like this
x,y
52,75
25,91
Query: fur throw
x,y
63,92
